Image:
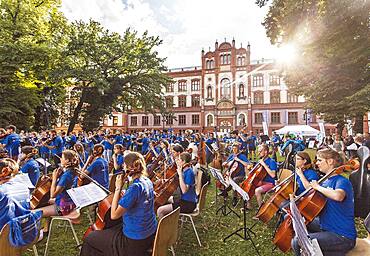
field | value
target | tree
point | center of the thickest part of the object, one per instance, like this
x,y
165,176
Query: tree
x,y
30,38
332,70
111,71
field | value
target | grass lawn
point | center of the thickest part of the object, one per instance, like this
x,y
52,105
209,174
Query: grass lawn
x,y
211,228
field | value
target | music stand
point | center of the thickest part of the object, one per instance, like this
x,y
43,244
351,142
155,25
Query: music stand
x,y
224,208
246,235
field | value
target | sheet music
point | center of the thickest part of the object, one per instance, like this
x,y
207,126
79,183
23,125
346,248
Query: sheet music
x,y
308,247
43,162
218,176
86,195
239,189
24,179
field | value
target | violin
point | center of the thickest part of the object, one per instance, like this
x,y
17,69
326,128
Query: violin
x,y
103,220
310,203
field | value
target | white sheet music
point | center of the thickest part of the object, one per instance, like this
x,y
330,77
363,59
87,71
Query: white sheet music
x,y
239,190
43,162
218,176
24,179
86,195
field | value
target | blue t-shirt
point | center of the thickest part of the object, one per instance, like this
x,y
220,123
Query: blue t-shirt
x,y
189,179
139,221
338,217
65,181
310,175
241,167
32,168
118,139
107,145
58,144
12,144
120,160
98,171
271,163
9,209
145,145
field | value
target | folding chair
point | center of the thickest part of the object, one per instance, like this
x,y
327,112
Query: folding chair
x,y
72,218
197,211
7,249
167,232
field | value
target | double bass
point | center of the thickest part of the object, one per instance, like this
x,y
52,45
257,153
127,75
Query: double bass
x,y
360,180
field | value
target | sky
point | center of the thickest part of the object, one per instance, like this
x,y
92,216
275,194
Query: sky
x,y
186,27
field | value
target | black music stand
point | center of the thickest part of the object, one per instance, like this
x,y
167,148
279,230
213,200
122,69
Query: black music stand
x,y
224,208
246,234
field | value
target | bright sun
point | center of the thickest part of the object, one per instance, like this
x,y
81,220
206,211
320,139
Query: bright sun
x,y
286,53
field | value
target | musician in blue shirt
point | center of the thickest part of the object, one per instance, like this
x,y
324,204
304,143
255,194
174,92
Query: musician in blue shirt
x,y
188,200
209,148
12,142
136,208
334,228
235,165
56,147
98,169
118,158
30,166
305,173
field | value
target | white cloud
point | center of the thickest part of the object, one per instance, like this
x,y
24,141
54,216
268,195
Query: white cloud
x,y
185,26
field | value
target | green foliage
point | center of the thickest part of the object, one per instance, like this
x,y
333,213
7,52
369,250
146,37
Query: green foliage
x,y
332,37
31,36
111,71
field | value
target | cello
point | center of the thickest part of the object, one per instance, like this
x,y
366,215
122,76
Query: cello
x,y
360,180
310,203
103,220
255,176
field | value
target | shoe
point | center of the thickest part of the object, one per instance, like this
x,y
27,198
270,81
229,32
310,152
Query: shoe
x,y
223,193
235,201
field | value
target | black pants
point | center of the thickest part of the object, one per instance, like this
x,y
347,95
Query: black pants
x,y
185,206
112,242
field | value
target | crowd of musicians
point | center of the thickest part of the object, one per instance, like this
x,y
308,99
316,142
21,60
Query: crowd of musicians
x,y
157,171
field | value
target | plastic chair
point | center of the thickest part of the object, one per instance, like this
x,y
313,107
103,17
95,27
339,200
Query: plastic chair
x,y
197,211
72,218
166,235
361,248
7,249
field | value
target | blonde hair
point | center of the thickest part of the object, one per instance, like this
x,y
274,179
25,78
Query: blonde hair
x,y
72,158
136,163
328,153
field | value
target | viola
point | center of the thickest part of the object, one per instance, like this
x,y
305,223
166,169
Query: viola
x,y
310,203
255,176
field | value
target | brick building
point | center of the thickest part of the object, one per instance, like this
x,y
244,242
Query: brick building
x,y
228,91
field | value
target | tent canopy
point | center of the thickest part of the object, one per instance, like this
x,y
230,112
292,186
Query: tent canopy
x,y
303,130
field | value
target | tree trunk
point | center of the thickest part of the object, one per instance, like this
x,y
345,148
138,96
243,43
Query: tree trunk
x,y
358,126
340,127
76,113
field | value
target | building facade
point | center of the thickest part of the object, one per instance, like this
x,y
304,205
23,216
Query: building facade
x,y
228,91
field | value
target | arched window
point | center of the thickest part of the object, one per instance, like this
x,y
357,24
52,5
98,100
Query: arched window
x,y
209,120
241,120
209,92
241,90
225,88
222,59
228,58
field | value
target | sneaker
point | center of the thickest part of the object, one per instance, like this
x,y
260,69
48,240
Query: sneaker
x,y
235,201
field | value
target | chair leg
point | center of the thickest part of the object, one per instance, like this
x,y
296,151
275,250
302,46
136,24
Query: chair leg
x,y
74,232
35,250
48,239
172,250
195,230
